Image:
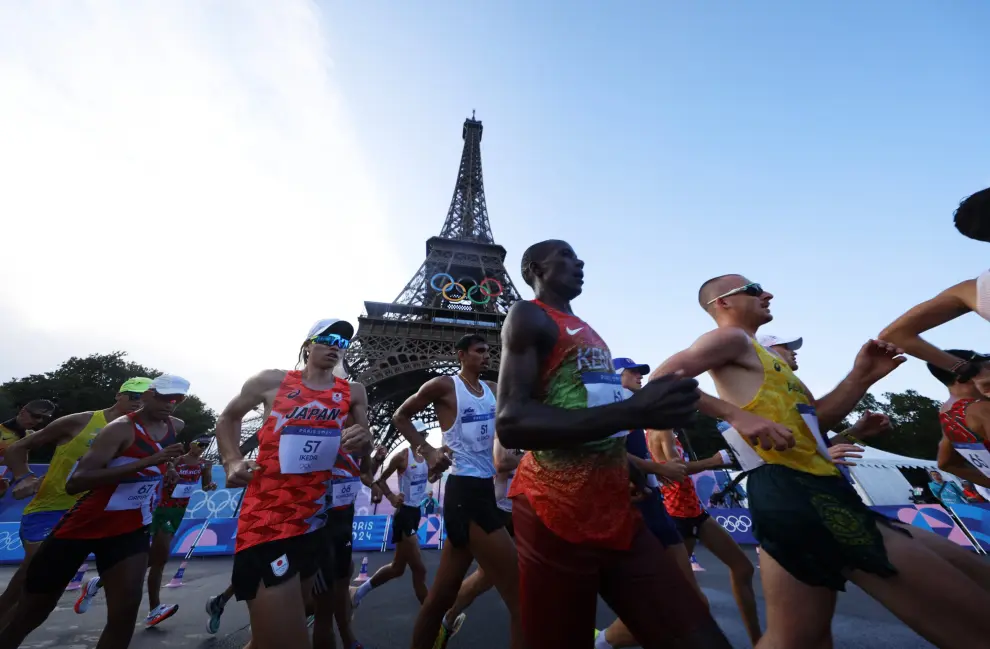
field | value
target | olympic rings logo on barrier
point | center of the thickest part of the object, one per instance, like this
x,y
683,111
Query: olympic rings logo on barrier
x,y
226,497
734,523
463,291
10,542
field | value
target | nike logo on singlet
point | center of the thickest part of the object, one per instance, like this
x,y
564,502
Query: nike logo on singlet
x,y
572,332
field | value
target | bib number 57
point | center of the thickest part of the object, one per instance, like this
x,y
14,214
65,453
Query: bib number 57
x,y
311,445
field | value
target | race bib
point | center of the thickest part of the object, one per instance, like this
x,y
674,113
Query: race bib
x,y
746,455
184,490
976,454
132,495
417,490
345,491
302,449
810,418
478,432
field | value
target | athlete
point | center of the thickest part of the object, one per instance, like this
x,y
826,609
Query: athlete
x,y
72,436
577,531
121,472
414,476
696,525
786,347
331,591
465,408
651,506
965,421
310,415
814,530
192,471
506,463
33,415
972,218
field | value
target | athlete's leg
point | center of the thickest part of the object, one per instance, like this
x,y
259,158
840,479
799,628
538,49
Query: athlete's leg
x,y
633,581
323,615
418,568
799,616
967,561
10,596
714,537
278,615
680,554
496,555
122,584
161,543
454,564
955,618
473,587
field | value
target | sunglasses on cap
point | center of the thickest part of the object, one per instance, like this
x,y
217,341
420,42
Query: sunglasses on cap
x,y
752,289
331,340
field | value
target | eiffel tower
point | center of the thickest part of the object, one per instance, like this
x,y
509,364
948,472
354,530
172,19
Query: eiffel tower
x,y
462,287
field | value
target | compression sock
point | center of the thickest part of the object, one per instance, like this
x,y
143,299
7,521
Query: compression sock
x,y
362,590
601,642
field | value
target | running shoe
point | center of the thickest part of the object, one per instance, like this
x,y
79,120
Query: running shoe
x,y
445,634
309,621
214,608
86,596
354,603
161,613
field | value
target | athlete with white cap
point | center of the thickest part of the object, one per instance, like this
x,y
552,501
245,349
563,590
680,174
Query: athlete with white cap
x,y
783,346
310,416
121,474
72,436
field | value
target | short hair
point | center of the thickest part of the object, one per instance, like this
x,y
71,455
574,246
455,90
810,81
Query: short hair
x,y
972,217
468,341
708,291
949,378
536,253
41,406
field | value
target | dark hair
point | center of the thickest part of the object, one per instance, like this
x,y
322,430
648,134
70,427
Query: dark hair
x,y
706,292
468,341
43,406
972,217
950,378
536,253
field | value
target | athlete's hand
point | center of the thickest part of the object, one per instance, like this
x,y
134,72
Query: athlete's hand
x,y
355,438
876,359
168,453
376,494
438,459
210,487
26,487
840,453
672,471
870,425
239,472
762,432
380,454
668,401
397,500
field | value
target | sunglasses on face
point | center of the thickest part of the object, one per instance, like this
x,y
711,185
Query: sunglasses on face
x,y
331,340
132,396
752,289
169,398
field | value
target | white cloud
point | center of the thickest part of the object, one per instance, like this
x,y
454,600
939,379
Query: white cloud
x,y
182,180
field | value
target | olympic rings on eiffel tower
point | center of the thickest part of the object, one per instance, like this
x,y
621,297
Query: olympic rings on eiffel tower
x,y
464,292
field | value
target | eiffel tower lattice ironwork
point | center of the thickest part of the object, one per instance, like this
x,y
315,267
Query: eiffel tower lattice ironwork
x,y
462,287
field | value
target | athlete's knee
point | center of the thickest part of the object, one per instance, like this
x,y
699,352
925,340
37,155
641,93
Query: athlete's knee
x,y
418,571
743,570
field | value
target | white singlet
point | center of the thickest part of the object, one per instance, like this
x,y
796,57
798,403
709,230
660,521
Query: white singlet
x,y
983,295
472,437
413,481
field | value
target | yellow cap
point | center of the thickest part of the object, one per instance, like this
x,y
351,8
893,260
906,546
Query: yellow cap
x,y
137,384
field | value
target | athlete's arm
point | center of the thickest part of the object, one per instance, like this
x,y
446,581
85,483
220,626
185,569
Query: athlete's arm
x,y
430,392
368,470
905,332
228,428
206,476
505,460
950,461
58,432
110,442
356,436
716,349
875,360
522,421
397,463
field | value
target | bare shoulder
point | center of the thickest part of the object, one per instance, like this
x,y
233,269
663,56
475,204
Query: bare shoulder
x,y
439,386
526,316
266,380
358,392
492,385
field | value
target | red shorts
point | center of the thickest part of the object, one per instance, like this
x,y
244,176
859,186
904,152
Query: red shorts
x,y
559,584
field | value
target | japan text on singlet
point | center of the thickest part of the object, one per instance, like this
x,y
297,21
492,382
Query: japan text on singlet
x,y
581,493
190,478
780,399
681,498
345,483
51,496
297,448
112,510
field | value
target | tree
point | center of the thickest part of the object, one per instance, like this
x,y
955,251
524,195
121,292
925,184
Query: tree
x,y
914,419
81,384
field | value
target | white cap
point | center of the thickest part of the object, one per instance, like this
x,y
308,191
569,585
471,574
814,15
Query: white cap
x,y
342,327
170,384
790,343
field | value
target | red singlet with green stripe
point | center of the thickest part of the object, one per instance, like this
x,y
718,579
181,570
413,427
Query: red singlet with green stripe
x,y
581,494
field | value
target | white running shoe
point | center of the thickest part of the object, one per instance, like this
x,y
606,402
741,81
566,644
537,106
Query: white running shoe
x,y
88,593
161,613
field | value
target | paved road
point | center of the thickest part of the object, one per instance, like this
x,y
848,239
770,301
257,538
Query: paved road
x,y
386,617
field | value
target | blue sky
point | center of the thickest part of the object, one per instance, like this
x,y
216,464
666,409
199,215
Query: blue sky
x,y
819,148
241,154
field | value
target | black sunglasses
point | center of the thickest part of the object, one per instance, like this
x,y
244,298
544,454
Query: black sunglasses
x,y
752,289
132,396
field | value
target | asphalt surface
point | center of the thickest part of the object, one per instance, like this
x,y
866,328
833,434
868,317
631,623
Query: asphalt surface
x,y
386,616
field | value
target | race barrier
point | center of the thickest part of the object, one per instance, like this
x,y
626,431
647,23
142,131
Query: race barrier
x,y
975,518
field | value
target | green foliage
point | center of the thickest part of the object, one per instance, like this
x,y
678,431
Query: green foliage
x,y
81,384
